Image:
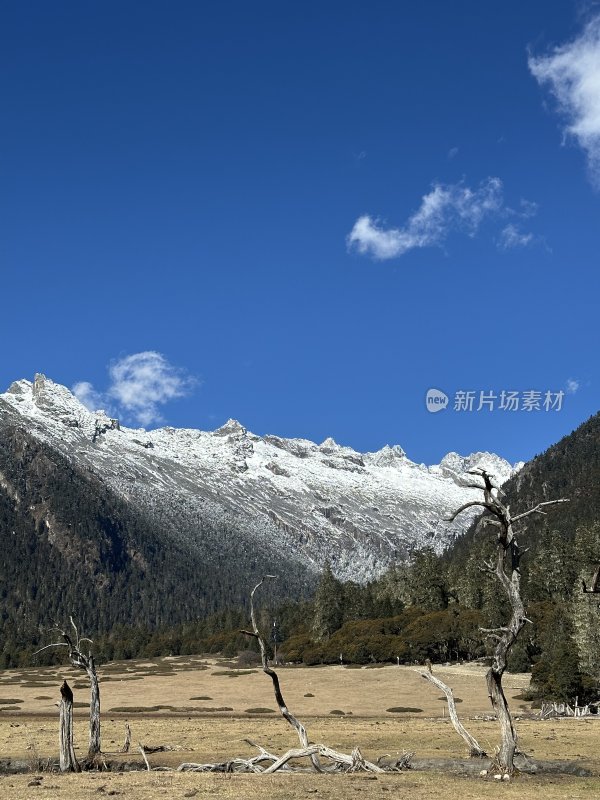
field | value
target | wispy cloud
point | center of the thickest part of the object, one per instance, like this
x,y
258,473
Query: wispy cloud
x,y
572,386
87,395
511,237
445,208
139,385
572,71
527,209
453,152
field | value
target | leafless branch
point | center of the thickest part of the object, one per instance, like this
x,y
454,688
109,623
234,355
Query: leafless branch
x,y
474,747
143,752
469,505
538,508
54,644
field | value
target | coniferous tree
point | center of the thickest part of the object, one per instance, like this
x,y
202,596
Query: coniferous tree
x,y
586,604
426,584
328,612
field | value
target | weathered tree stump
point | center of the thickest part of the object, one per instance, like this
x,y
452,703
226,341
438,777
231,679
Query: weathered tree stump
x,y
127,743
68,761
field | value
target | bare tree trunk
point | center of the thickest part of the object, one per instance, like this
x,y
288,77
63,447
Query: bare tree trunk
x,y
94,738
127,743
500,517
474,748
505,638
68,761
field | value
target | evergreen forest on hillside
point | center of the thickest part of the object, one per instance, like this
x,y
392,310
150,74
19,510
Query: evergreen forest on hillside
x,y
432,608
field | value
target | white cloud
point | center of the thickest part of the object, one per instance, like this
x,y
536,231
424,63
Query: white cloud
x,y
527,209
572,385
572,72
88,396
443,209
144,381
139,385
453,152
511,236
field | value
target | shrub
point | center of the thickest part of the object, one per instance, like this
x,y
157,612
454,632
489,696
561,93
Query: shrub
x,y
260,710
248,658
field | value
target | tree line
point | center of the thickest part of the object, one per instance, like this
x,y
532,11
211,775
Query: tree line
x,y
433,608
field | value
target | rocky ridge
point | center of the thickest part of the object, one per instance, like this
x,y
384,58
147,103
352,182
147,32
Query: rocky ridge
x,y
312,503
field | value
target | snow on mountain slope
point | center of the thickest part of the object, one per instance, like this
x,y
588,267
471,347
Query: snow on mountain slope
x,y
316,503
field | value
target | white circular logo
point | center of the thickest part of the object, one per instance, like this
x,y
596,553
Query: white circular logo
x,y
435,400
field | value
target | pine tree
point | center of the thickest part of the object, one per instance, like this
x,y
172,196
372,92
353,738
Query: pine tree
x,y
586,606
427,585
328,606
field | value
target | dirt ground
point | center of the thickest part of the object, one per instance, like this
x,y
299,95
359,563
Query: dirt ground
x,y
207,709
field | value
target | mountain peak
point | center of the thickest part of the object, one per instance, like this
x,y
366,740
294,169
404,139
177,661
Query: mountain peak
x,y
44,396
231,428
329,445
388,455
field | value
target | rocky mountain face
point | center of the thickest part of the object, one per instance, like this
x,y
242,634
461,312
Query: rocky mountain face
x,y
228,501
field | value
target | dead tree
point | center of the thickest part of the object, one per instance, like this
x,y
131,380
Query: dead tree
x,y
127,743
287,715
475,750
595,585
507,549
336,761
68,761
85,662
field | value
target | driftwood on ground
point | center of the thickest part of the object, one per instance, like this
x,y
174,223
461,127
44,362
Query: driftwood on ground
x,y
268,763
565,710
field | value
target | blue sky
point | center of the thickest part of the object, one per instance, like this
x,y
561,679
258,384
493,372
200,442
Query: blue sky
x,y
305,215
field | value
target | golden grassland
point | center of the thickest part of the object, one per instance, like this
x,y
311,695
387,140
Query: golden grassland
x,y
183,690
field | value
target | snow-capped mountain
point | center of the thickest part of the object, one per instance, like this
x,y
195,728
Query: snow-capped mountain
x,y
311,503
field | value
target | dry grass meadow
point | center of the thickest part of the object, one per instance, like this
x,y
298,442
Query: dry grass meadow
x,y
206,709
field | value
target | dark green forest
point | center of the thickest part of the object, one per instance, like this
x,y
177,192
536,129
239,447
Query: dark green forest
x,y
432,608
70,545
